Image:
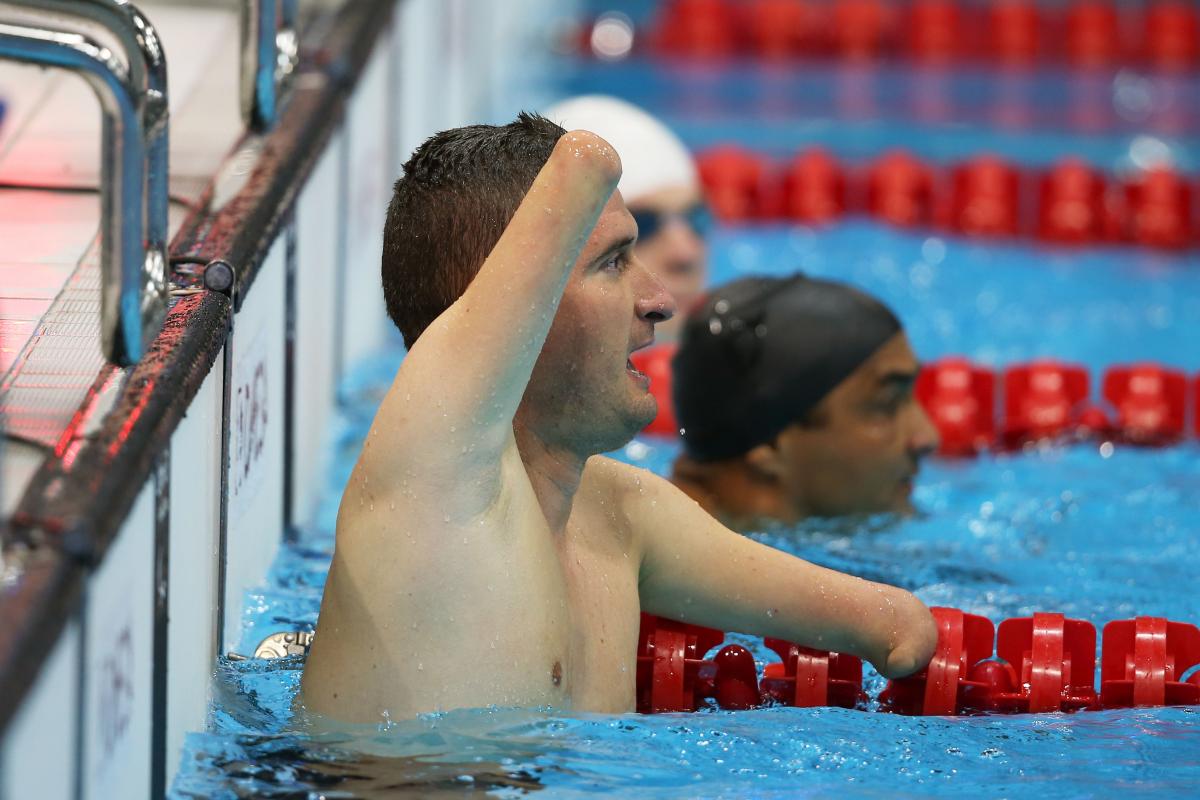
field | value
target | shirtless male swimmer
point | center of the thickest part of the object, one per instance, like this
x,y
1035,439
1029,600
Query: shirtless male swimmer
x,y
485,554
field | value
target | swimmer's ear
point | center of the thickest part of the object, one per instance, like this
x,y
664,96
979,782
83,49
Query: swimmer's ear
x,y
766,461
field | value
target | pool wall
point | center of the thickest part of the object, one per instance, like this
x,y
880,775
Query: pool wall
x,y
129,554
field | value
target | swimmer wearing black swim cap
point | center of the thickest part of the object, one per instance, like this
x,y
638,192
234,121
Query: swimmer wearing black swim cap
x,y
795,397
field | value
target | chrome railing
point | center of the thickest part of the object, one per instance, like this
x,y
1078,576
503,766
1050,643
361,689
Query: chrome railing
x,y
70,34
270,51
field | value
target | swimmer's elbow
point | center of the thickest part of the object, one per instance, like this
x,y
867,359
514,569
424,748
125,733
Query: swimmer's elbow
x,y
914,642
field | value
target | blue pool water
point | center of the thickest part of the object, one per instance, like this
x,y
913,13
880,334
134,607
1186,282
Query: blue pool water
x,y
1096,533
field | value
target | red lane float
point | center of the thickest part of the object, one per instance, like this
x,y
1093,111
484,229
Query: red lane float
x,y
672,674
1172,35
813,189
900,190
1149,401
1049,665
701,29
985,198
1159,209
934,31
960,401
1071,207
778,29
807,678
861,29
1043,399
1014,31
655,363
1144,661
1044,663
944,687
1092,34
734,181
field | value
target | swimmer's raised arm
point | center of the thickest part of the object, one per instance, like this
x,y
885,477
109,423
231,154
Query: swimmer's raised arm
x,y
472,364
696,570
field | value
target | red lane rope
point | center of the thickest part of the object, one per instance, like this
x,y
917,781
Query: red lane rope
x,y
1162,35
1068,204
1038,664
976,408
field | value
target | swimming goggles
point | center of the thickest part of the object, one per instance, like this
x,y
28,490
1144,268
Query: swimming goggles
x,y
698,217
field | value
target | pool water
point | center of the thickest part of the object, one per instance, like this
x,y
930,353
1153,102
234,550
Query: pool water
x,y
1097,533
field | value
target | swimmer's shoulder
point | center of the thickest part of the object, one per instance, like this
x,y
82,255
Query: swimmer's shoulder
x,y
632,488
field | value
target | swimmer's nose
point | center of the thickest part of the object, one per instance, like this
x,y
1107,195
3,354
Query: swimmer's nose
x,y
655,304
925,437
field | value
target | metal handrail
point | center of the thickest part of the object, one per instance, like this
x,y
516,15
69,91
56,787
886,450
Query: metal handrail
x,y
134,151
270,52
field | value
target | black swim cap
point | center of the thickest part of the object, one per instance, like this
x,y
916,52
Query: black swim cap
x,y
760,353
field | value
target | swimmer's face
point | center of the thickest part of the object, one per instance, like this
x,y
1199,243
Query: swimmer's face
x,y
863,448
673,249
583,389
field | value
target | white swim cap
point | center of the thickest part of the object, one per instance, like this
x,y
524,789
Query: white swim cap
x,y
652,156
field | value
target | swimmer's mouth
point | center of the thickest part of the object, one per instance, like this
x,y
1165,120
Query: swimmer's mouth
x,y
635,372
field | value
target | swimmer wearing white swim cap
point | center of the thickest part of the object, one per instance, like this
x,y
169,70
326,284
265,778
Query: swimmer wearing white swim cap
x,y
661,187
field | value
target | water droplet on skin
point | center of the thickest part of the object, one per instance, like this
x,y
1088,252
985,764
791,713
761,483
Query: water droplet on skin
x,y
420,667
445,518
772,612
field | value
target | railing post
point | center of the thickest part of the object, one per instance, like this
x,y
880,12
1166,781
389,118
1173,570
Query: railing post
x,y
134,169
270,50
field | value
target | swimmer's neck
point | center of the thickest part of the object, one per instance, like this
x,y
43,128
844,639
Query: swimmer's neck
x,y
728,491
555,471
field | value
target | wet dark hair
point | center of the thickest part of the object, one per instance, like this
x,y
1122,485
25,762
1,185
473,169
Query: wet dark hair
x,y
457,194
760,353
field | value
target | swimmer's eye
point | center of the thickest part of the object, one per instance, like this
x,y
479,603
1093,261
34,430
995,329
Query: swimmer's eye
x,y
890,402
617,262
